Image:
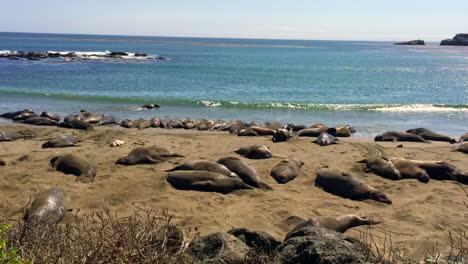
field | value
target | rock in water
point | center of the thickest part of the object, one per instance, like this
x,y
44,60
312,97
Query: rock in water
x,y
411,42
458,40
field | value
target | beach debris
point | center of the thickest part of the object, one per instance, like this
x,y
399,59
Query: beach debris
x,y
117,143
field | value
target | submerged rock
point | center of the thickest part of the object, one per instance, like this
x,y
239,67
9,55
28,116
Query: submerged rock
x,y
411,42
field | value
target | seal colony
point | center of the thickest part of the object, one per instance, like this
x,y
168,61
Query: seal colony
x,y
207,183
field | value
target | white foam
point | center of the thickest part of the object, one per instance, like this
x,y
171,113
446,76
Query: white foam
x,y
6,52
420,108
210,104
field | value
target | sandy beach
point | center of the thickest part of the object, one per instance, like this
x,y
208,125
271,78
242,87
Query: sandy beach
x,y
420,217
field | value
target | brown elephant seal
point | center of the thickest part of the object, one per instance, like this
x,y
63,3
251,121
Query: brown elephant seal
x,y
464,138
463,148
339,223
255,152
48,207
62,141
430,135
108,120
282,135
146,155
263,131
325,139
382,167
248,174
77,124
348,185
317,125
204,124
72,164
205,181
89,117
286,170
2,162
441,170
247,132
40,121
295,127
205,165
344,131
155,122
51,116
10,136
410,170
127,123
141,124
316,131
399,136
11,115
24,116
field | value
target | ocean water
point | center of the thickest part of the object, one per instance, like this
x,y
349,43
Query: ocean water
x,y
373,86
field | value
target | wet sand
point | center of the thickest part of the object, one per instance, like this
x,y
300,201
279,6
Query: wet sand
x,y
421,214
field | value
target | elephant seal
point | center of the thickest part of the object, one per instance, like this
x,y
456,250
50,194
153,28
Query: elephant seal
x,y
72,164
248,174
48,207
463,148
51,116
235,126
464,138
273,125
11,115
148,155
77,124
189,123
2,162
316,131
263,131
441,170
253,123
348,185
410,170
24,116
295,127
344,131
155,122
40,121
317,125
339,223
281,135
255,152
430,135
141,124
247,132
205,181
127,123
108,120
89,117
382,167
205,165
286,170
150,106
325,139
10,136
399,136
204,124
61,142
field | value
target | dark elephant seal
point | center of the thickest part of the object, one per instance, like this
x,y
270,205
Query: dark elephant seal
x,y
286,170
77,124
108,120
348,185
150,106
281,135
40,121
205,165
155,122
248,174
399,136
72,164
325,139
89,117
235,126
410,170
10,136
51,116
382,167
255,152
2,162
141,124
11,115
24,116
127,123
441,170
247,132
263,131
148,155
430,135
316,131
205,181
48,207
464,138
295,127
62,141
463,148
339,223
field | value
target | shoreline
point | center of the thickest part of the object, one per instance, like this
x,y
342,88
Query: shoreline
x,y
420,215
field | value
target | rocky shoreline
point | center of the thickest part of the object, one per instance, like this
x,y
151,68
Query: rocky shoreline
x,y
73,56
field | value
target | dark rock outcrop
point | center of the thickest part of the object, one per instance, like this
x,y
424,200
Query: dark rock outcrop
x,y
458,40
411,42
257,240
218,248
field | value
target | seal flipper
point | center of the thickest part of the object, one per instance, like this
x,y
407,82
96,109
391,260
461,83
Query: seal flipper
x,y
264,186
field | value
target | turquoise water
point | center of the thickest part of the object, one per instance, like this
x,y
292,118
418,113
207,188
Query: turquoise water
x,y
374,86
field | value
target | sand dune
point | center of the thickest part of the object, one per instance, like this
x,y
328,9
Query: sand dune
x,y
421,214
